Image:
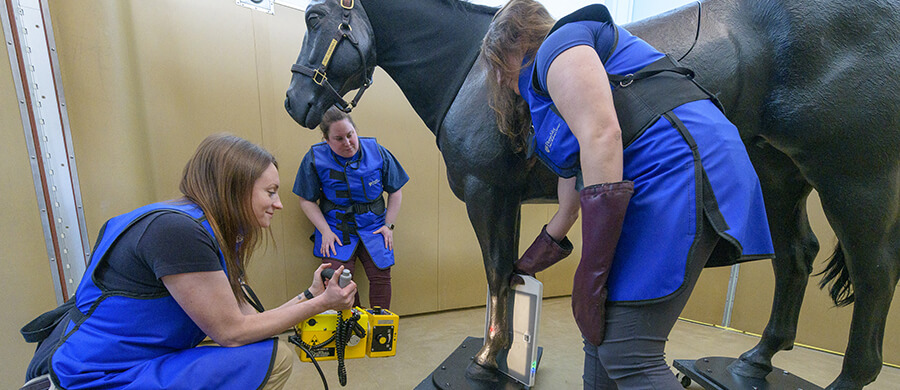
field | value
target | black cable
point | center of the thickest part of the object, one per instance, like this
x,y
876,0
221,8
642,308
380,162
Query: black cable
x,y
251,297
697,35
296,340
340,344
346,329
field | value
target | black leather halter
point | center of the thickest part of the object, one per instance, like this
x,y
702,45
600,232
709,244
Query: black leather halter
x,y
319,75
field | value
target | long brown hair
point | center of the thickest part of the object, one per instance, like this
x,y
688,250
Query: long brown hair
x,y
516,32
219,178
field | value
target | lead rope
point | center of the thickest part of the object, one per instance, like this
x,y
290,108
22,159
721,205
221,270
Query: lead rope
x,y
697,35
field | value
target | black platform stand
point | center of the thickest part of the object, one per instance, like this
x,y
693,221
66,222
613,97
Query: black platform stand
x,y
712,373
451,374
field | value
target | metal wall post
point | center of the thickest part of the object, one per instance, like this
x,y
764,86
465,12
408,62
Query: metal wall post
x,y
42,105
729,298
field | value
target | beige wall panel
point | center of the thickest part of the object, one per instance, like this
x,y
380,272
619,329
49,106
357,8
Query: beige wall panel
x,y
821,324
197,78
103,89
707,302
288,263
557,279
461,277
25,280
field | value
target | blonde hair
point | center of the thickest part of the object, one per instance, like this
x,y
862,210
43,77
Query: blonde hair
x,y
220,178
517,29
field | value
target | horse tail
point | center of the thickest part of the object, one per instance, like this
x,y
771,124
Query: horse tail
x,y
836,273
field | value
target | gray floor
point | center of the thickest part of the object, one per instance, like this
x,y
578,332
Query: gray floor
x,y
424,341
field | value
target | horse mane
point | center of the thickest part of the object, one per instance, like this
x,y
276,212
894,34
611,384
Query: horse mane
x,y
428,48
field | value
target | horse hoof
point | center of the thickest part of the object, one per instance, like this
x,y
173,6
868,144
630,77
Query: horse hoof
x,y
746,368
480,373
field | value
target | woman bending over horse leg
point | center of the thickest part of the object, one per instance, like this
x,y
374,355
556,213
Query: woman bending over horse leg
x,y
663,180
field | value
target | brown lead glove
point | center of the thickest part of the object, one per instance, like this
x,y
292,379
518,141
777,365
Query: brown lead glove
x,y
603,212
543,253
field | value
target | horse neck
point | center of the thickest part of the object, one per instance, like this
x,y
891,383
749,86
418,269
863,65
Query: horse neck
x,y
428,48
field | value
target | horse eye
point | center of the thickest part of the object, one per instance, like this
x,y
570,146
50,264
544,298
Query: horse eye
x,y
312,20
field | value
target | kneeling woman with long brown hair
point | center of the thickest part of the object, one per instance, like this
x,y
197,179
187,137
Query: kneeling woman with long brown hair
x,y
167,275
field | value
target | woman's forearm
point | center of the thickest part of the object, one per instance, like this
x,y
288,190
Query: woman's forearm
x,y
567,214
314,214
206,297
393,207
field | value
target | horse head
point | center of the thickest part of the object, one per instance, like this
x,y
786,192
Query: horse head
x,y
337,56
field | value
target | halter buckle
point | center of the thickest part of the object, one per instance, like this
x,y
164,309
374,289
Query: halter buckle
x,y
348,6
319,77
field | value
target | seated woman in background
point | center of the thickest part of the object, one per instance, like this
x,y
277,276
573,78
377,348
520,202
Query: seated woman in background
x,y
167,275
347,174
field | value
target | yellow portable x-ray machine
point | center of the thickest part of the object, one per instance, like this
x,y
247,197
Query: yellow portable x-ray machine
x,y
376,335
382,340
319,332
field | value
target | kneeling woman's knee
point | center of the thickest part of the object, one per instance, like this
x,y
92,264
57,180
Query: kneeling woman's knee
x,y
281,367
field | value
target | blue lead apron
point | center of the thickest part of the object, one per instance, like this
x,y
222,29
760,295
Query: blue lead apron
x,y
352,203
117,340
685,158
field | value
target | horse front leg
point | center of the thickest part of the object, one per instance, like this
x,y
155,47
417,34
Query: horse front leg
x,y
785,191
494,214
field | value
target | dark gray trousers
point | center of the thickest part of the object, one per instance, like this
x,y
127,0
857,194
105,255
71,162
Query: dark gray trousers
x,y
632,355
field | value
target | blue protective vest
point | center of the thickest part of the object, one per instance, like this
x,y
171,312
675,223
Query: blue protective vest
x,y
686,159
117,340
553,141
355,189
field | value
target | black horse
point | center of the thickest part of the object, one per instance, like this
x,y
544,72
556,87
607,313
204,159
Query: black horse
x,y
812,86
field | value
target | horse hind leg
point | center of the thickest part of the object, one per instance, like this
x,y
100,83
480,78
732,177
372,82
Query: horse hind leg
x,y
785,191
865,216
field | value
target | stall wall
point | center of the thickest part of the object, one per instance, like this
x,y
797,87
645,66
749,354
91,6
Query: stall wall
x,y
147,81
